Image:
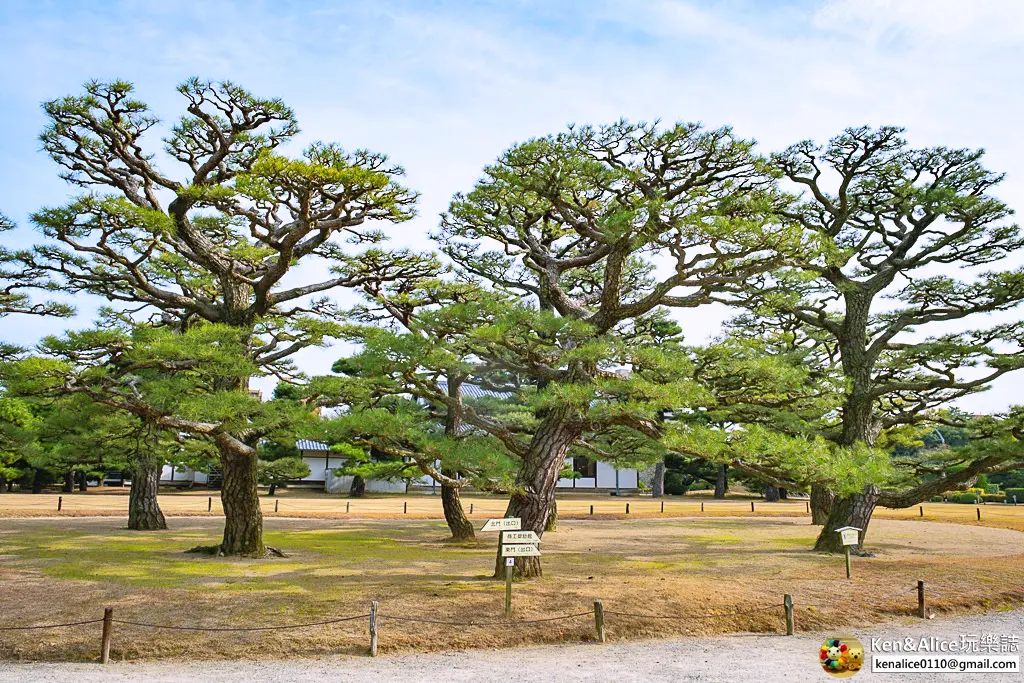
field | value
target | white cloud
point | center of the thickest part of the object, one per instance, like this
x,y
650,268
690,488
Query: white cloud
x,y
916,22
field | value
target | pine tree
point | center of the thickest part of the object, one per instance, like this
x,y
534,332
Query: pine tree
x,y
889,224
581,242
214,244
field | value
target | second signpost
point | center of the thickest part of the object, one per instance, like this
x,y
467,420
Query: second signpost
x,y
514,543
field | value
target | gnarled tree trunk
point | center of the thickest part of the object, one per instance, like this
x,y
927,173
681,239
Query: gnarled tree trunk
x,y
821,503
83,485
658,485
854,510
144,512
358,487
451,498
721,481
859,426
239,494
535,486
69,482
239,458
552,523
771,493
454,515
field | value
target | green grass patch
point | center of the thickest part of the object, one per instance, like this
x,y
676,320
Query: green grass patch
x,y
158,560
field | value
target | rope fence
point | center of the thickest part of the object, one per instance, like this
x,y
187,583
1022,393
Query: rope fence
x,y
35,628
786,609
244,628
503,622
687,617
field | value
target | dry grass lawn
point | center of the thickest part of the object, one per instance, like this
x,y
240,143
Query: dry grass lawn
x,y
56,570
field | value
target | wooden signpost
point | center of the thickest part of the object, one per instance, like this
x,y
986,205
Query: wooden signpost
x,y
520,550
503,524
850,536
514,543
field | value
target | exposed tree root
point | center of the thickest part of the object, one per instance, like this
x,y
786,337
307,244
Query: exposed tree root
x,y
216,551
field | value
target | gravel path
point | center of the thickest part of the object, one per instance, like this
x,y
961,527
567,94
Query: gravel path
x,y
737,658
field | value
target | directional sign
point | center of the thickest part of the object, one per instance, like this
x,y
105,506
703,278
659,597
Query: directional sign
x,y
520,550
503,524
520,537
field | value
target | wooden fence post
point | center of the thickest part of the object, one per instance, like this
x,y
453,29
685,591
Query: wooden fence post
x,y
627,508
702,507
405,508
662,506
60,502
347,503
920,599
920,510
787,603
979,513
108,627
209,503
751,506
599,620
470,508
373,628
808,506
275,505
591,509
509,569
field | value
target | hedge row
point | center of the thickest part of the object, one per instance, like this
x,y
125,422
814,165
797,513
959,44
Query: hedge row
x,y
969,498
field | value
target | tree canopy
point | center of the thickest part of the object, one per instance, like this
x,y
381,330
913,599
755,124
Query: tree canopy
x,y
558,285
888,223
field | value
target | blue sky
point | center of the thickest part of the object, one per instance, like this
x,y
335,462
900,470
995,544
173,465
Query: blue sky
x,y
443,87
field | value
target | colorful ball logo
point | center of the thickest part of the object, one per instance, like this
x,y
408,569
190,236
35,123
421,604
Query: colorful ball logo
x,y
841,656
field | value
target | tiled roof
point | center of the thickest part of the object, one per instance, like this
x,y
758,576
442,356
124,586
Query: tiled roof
x,y
307,445
473,391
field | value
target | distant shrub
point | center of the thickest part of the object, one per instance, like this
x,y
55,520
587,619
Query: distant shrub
x,y
675,484
937,499
1010,493
993,498
992,488
964,498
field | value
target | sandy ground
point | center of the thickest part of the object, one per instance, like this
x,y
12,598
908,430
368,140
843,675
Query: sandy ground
x,y
736,658
306,503
721,575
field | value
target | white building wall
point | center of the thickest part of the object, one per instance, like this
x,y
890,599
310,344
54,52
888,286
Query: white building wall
x,y
319,464
336,484
605,479
321,469
182,475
